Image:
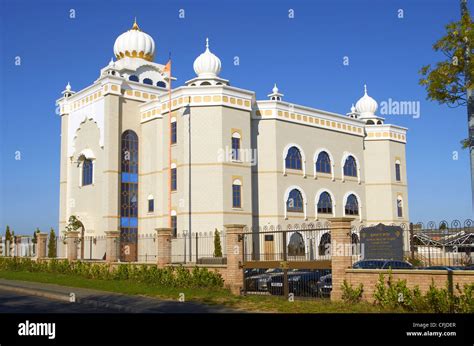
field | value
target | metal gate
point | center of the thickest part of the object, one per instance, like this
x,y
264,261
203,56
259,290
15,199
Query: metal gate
x,y
295,260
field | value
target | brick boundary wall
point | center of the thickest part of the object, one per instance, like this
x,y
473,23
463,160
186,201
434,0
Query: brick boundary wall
x,y
413,277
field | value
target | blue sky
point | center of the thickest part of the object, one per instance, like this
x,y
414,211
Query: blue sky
x,y
304,55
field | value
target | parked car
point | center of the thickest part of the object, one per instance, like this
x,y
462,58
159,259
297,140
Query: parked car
x,y
258,283
300,282
470,267
324,286
382,264
253,271
444,268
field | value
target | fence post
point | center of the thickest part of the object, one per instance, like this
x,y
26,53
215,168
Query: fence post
x,y
41,240
341,257
163,241
111,246
72,237
412,243
235,274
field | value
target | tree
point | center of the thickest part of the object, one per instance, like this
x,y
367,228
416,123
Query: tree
x,y
52,244
217,244
450,81
8,234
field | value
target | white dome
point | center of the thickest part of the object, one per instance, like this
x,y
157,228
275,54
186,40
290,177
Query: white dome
x,y
366,104
134,44
207,64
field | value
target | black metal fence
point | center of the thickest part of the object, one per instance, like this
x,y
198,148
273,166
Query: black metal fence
x,y
199,248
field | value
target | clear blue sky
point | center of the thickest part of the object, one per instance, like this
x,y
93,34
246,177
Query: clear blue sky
x,y
303,55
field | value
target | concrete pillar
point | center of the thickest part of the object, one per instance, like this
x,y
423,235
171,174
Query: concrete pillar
x,y
72,239
112,246
234,247
341,256
163,243
41,245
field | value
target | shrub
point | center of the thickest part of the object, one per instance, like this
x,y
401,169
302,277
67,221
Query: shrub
x,y
217,244
52,244
350,294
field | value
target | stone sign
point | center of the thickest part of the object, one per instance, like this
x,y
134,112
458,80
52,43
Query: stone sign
x,y
382,242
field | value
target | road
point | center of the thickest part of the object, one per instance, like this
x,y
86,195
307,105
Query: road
x,y
12,302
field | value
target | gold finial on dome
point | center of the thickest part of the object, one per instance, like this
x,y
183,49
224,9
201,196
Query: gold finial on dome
x,y
135,25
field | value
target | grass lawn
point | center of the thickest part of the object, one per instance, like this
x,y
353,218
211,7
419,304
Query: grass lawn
x,y
208,296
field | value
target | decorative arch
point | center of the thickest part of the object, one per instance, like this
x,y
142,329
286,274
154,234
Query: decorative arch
x,y
331,158
316,200
76,122
343,161
287,195
296,245
303,157
359,202
148,81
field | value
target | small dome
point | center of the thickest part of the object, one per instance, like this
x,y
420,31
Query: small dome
x,y
134,44
366,104
275,89
207,64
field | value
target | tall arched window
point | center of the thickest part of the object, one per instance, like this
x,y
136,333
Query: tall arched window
x,y
296,245
236,146
352,205
323,163
236,194
129,196
293,159
295,201
161,84
148,81
398,175
87,172
133,78
325,203
174,131
399,207
324,244
350,167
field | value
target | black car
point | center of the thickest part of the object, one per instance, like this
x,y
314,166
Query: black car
x,y
300,282
470,267
382,264
325,286
258,283
443,268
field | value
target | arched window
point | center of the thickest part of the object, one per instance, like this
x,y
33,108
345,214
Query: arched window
x,y
296,245
352,205
129,196
133,78
236,146
325,203
151,204
398,176
324,242
293,159
87,172
323,163
295,201
148,81
205,83
354,239
350,167
370,122
236,194
161,84
399,207
174,131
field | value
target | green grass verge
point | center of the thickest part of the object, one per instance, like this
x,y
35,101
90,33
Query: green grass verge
x,y
207,296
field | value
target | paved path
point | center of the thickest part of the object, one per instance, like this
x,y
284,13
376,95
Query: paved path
x,y
51,298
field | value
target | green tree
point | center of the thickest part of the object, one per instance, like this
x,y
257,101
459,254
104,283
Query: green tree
x,y
8,234
217,244
450,80
52,244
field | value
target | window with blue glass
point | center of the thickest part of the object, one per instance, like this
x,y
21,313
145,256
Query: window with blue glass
x,y
174,179
235,148
161,84
352,205
295,201
174,225
325,203
236,195
133,78
151,205
87,172
293,159
350,167
129,196
174,132
397,172
323,163
148,81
